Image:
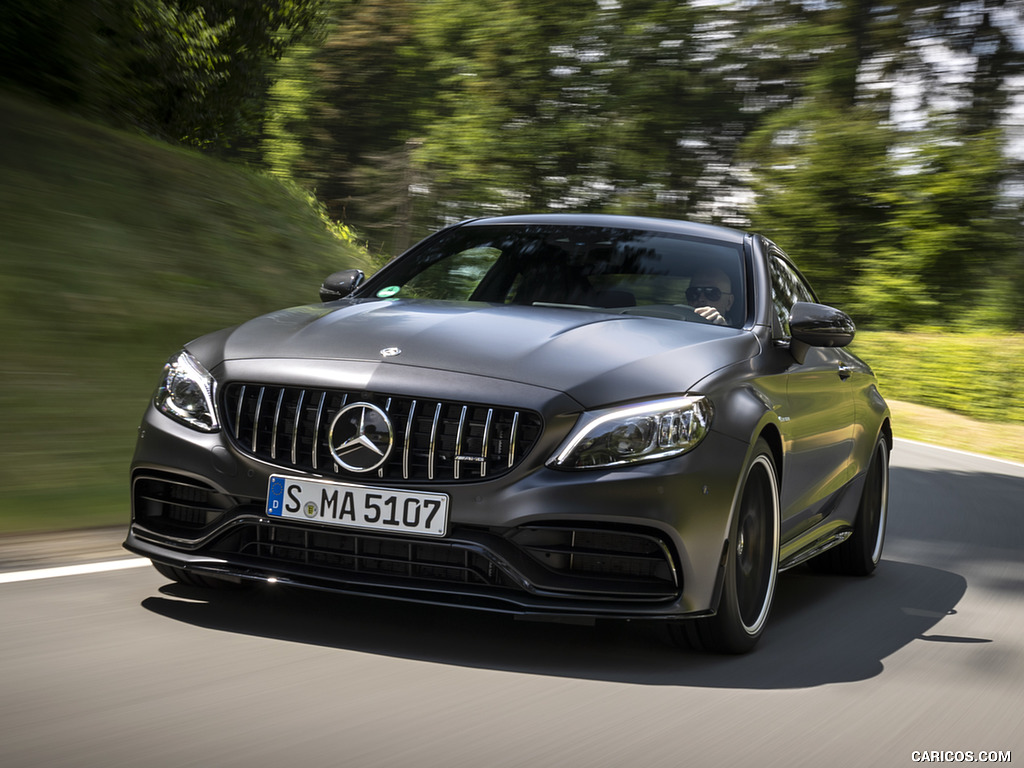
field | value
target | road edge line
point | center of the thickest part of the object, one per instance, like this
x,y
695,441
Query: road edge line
x,y
13,577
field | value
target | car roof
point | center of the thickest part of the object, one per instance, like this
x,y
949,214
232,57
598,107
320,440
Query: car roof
x,y
668,226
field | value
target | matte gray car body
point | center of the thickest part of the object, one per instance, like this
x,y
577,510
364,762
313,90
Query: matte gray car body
x,y
650,539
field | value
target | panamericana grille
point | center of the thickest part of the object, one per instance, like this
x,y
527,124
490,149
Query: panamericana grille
x,y
434,440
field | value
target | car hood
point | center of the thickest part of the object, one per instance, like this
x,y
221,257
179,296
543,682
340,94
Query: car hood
x,y
595,357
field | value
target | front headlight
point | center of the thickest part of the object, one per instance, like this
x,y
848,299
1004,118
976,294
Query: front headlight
x,y
187,393
634,433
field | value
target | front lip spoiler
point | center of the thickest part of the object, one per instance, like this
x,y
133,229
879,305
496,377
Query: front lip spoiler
x,y
530,602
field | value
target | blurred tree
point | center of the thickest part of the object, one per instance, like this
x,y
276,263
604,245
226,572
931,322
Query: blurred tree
x,y
202,68
822,177
943,238
190,71
884,169
369,97
435,111
601,106
59,50
869,131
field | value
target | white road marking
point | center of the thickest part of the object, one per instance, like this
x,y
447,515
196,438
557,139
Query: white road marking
x,y
961,452
72,570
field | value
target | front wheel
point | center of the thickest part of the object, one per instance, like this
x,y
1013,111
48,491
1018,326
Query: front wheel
x,y
751,565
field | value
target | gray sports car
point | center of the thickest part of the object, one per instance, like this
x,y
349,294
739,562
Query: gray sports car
x,y
562,416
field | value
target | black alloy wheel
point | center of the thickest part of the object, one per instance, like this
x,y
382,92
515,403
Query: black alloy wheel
x,y
751,566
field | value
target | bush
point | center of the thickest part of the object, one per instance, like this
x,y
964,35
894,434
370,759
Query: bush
x,y
981,376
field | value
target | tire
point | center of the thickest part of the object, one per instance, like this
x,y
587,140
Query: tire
x,y
751,566
188,578
861,553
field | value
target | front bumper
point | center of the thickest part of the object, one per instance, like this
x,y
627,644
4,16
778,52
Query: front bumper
x,y
637,542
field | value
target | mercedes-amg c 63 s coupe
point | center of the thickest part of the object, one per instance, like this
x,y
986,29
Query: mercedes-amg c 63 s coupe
x,y
562,416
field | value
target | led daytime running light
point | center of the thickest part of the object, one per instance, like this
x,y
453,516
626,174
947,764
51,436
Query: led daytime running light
x,y
644,432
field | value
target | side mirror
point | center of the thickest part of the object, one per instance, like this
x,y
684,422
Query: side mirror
x,y
340,284
815,325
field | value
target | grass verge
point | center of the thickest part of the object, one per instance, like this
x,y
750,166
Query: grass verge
x,y
952,430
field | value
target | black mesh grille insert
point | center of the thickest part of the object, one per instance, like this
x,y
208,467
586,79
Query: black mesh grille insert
x,y
354,554
589,566
622,555
173,504
433,440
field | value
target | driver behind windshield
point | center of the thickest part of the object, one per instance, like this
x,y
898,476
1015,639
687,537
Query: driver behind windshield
x,y
710,295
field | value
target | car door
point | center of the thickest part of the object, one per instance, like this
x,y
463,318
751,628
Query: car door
x,y
819,418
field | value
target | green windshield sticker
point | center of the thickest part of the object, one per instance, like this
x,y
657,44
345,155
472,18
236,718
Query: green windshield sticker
x,y
387,293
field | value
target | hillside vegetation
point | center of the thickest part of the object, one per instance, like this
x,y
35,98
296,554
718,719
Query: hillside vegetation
x,y
114,251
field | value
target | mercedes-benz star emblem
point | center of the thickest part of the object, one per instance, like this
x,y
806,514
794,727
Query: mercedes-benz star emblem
x,y
361,437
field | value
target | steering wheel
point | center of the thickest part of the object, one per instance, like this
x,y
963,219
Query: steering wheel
x,y
666,311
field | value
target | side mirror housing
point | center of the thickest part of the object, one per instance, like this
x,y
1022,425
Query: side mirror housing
x,y
816,325
340,284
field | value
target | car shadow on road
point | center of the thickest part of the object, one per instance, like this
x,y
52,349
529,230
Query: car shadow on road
x,y
822,630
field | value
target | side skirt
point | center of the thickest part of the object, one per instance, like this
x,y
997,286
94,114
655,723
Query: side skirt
x,y
835,527
815,549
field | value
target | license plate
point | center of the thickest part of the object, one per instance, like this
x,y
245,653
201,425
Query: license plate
x,y
358,506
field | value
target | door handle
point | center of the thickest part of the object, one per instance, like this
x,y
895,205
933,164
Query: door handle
x,y
845,371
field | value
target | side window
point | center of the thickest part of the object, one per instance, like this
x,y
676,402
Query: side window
x,y
788,287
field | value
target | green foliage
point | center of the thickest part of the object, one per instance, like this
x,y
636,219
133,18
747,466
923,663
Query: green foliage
x,y
901,217
194,72
436,111
947,240
116,251
823,173
346,115
405,115
981,376
412,115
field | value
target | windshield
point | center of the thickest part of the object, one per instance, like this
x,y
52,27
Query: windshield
x,y
595,268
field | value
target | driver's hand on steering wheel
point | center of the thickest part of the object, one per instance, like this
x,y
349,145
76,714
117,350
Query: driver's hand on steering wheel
x,y
710,314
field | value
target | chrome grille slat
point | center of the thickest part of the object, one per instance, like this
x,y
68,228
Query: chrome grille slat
x,y
433,440
316,427
275,431
256,419
458,441
486,441
512,440
238,412
387,410
295,426
408,438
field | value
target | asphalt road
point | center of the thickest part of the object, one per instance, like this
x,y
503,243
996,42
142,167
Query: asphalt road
x,y
121,668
